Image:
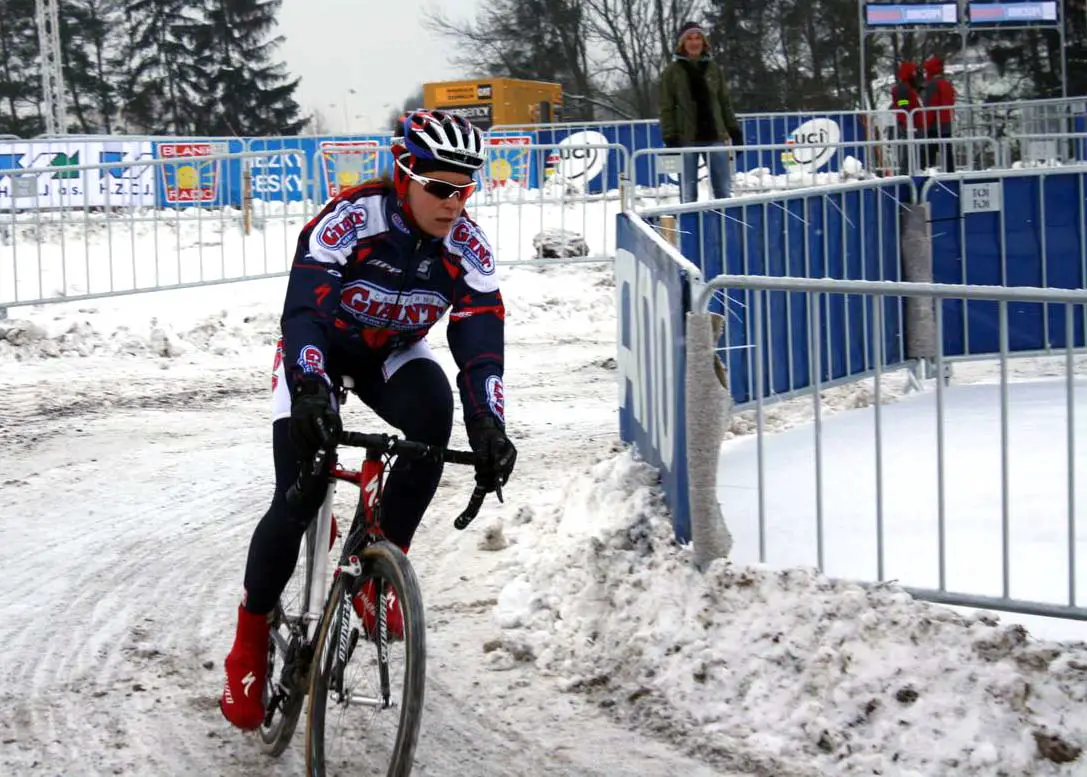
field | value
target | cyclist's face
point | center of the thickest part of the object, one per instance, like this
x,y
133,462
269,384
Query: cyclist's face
x,y
434,214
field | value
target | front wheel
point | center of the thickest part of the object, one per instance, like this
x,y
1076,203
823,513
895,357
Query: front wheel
x,y
367,682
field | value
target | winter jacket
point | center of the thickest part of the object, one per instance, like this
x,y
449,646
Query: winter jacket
x,y
939,93
364,284
904,96
679,109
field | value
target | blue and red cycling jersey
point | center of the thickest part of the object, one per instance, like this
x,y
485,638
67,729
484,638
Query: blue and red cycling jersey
x,y
364,285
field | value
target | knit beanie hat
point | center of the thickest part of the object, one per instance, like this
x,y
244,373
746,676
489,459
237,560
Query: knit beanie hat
x,y
690,27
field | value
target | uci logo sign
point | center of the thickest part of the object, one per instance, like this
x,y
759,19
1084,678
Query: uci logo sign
x,y
578,164
820,136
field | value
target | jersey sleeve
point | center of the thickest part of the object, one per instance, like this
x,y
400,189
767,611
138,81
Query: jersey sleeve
x,y
476,330
313,288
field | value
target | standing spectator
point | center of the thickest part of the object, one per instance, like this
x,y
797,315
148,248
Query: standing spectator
x,y
905,99
939,99
696,110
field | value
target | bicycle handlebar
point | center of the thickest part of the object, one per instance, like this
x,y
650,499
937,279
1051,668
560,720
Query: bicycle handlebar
x,y
392,446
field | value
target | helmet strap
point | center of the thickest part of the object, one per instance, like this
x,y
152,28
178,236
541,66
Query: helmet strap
x,y
401,181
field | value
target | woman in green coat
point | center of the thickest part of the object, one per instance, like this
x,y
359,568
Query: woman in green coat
x,y
696,110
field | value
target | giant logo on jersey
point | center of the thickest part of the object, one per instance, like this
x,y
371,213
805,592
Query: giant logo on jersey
x,y
379,307
339,228
473,247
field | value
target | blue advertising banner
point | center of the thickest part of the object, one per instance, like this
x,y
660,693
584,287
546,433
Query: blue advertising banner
x,y
188,179
1013,231
652,299
332,164
836,235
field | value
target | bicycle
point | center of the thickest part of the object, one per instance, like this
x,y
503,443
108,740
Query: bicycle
x,y
314,639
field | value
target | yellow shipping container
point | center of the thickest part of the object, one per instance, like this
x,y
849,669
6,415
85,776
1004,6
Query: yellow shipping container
x,y
490,101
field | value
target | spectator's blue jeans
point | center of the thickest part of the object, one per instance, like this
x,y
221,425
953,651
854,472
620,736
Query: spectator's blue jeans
x,y
720,172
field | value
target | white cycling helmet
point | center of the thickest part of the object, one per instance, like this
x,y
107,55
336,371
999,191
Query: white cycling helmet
x,y
437,140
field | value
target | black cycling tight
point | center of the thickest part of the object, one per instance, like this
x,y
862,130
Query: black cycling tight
x,y
418,401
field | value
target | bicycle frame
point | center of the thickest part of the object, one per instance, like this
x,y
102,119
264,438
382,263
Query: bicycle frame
x,y
369,480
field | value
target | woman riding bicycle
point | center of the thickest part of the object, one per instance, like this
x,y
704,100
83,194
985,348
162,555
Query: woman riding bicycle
x,y
373,272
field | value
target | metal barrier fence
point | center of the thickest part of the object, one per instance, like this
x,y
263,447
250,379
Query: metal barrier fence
x,y
1008,228
861,160
524,225
849,232
1012,228
562,221
136,225
104,242
966,495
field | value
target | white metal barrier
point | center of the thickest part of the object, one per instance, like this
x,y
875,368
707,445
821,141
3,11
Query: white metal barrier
x,y
968,495
879,160
96,244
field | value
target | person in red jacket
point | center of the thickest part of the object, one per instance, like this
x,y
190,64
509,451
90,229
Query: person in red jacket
x,y
905,98
939,100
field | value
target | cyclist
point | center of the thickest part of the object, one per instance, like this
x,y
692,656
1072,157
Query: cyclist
x,y
373,272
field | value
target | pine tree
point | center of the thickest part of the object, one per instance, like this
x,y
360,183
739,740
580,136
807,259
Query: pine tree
x,y
89,31
248,93
160,79
20,73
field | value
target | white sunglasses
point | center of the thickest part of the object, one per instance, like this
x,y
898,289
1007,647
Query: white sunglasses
x,y
436,187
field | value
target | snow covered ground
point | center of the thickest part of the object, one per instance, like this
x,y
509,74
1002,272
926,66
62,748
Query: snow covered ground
x,y
568,635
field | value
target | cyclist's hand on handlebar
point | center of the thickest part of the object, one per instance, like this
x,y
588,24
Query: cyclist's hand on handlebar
x,y
496,454
315,421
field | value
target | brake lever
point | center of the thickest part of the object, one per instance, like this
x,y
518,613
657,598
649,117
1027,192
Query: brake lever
x,y
472,510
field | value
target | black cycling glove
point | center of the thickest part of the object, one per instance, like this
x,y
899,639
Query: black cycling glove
x,y
495,453
315,421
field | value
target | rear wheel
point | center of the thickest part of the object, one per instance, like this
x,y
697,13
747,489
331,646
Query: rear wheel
x,y
366,689
285,689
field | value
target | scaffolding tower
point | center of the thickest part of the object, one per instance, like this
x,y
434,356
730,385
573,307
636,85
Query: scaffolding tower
x,y
52,75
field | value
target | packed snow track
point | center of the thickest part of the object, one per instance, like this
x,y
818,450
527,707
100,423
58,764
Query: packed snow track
x,y
129,487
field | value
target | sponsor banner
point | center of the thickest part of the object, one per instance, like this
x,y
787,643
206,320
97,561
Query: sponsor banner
x,y
331,163
576,160
481,114
652,299
347,163
127,182
194,174
510,161
818,134
593,170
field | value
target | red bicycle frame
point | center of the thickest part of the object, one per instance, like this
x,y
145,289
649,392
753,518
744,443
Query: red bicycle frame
x,y
370,481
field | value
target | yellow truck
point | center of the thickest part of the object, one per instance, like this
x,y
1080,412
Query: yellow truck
x,y
489,101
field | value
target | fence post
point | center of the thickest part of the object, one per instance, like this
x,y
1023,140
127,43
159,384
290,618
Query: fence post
x,y
916,253
247,197
707,417
668,227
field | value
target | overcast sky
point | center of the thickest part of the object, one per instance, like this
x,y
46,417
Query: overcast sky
x,y
375,47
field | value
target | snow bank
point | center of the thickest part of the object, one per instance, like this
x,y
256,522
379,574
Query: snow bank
x,y
783,672
87,334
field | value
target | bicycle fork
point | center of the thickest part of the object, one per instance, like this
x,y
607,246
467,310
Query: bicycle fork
x,y
315,600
